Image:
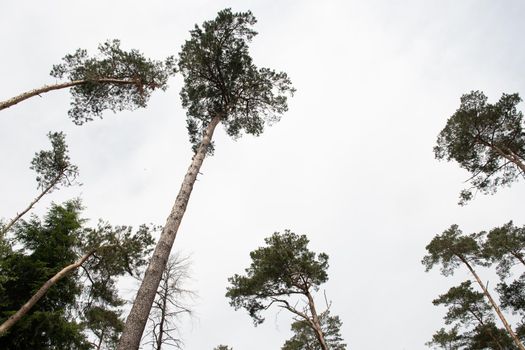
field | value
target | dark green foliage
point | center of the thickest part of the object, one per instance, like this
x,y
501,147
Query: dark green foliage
x,y
48,247
472,317
86,299
505,245
447,339
304,338
115,80
488,336
485,139
221,80
283,268
105,325
53,167
465,305
450,247
512,296
469,312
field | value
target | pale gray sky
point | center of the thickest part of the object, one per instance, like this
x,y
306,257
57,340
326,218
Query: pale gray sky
x,y
350,165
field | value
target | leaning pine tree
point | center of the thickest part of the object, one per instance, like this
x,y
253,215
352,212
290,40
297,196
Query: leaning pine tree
x,y
221,85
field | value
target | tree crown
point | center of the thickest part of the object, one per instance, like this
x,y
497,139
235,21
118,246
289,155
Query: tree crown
x,y
44,247
54,166
485,139
220,79
452,248
283,267
116,80
465,305
505,245
304,338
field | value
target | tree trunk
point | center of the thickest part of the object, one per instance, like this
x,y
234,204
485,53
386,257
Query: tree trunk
x,y
138,316
317,324
164,298
18,216
46,88
510,155
519,257
4,327
494,305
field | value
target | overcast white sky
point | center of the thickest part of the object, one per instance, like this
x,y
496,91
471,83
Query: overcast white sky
x,y
350,165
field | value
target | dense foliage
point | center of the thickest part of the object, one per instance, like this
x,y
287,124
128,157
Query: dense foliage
x,y
220,79
85,300
114,80
286,273
285,267
487,140
53,167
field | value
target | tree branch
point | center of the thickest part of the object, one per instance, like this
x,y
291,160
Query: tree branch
x,y
46,88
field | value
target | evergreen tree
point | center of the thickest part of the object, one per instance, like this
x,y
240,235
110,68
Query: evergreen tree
x,y
53,169
45,300
468,310
487,140
115,79
452,249
221,85
281,270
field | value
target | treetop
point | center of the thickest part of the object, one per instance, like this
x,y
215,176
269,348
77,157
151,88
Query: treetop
x,y
452,248
485,139
220,79
283,267
114,80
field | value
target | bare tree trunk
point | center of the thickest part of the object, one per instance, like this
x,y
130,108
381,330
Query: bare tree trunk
x,y
494,305
317,324
164,297
22,213
46,88
4,327
138,316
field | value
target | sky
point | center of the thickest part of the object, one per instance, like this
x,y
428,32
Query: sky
x,y
350,164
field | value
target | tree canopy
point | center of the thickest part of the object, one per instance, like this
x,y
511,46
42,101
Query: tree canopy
x,y
285,267
487,140
282,271
451,249
220,79
115,80
505,246
53,169
81,301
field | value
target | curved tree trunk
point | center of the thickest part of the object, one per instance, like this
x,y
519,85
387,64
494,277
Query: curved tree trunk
x,y
4,327
317,324
46,88
138,316
494,305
